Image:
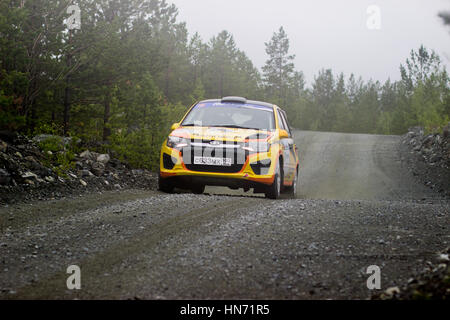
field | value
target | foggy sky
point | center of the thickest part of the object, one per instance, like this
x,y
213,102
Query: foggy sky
x,y
326,33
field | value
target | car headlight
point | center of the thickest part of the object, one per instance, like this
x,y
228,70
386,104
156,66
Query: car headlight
x,y
257,146
177,142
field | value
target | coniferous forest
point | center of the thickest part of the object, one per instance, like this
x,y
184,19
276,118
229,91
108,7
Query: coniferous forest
x,y
132,69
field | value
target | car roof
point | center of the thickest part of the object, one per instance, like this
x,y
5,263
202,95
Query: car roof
x,y
254,102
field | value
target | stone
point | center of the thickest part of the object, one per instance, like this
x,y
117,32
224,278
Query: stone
x,y
29,182
44,171
417,130
446,131
392,291
103,158
11,165
85,173
114,163
435,158
3,146
98,168
29,175
5,177
79,165
428,141
83,183
49,179
86,155
87,163
94,157
443,257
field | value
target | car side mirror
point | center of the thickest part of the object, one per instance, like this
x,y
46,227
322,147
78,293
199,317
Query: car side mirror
x,y
284,134
175,126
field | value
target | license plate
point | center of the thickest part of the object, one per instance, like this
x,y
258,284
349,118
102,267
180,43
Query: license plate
x,y
210,161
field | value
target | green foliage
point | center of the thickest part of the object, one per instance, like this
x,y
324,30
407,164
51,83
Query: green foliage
x,y
10,119
199,92
58,155
121,81
59,152
279,68
64,162
53,144
421,98
139,148
47,128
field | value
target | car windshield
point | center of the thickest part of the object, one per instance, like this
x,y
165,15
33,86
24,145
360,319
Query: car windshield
x,y
217,114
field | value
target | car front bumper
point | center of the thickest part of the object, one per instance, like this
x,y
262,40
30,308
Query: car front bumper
x,y
172,167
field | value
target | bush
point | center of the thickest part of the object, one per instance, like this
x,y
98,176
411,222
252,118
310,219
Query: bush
x,y
9,117
139,148
59,153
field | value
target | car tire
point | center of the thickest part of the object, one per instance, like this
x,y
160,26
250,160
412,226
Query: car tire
x,y
292,190
198,189
273,191
165,185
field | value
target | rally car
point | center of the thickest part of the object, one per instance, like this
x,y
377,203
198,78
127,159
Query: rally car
x,y
232,142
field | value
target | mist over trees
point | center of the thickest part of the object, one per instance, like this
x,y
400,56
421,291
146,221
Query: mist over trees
x,y
336,103
132,70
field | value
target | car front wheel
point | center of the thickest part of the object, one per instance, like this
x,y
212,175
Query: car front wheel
x,y
273,191
164,185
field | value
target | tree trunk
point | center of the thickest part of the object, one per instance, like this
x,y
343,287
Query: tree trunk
x,y
106,115
66,106
168,72
31,114
67,90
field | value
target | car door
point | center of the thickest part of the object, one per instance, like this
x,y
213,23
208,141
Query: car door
x,y
289,149
287,145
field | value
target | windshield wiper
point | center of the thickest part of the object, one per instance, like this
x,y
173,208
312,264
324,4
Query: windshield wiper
x,y
235,127
189,125
222,126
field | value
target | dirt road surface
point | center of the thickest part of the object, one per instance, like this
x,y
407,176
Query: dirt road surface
x,y
357,206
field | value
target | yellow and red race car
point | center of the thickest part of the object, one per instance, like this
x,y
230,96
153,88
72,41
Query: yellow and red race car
x,y
232,142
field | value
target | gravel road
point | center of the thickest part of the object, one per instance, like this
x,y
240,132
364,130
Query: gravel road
x,y
357,206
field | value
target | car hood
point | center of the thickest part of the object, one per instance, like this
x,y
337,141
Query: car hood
x,y
222,133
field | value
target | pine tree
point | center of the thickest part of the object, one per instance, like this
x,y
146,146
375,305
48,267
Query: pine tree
x,y
322,96
279,68
222,54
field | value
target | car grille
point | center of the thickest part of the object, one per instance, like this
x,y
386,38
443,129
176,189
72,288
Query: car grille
x,y
206,149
